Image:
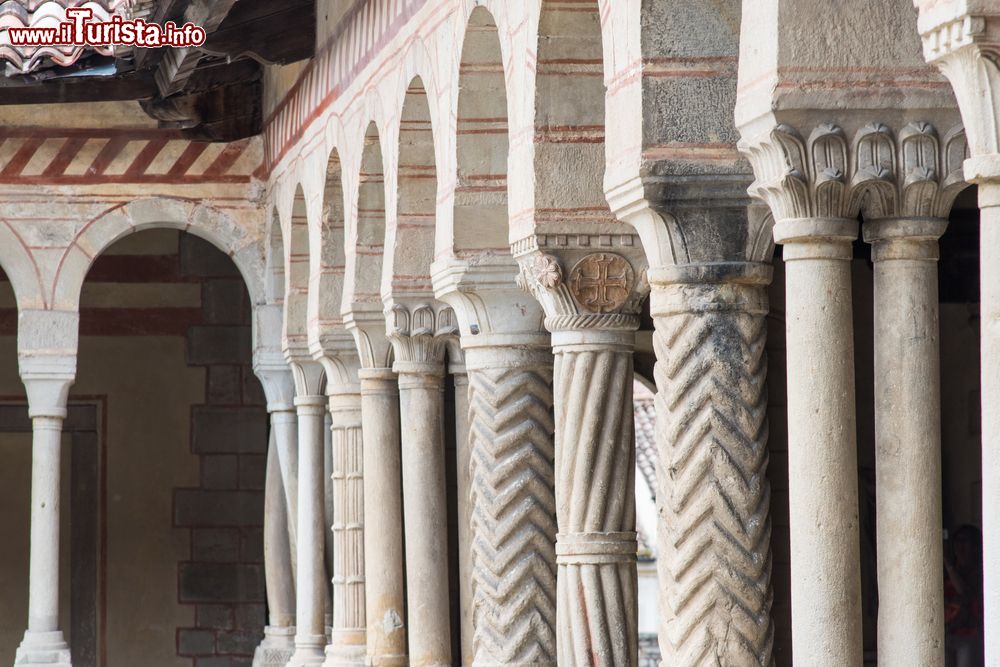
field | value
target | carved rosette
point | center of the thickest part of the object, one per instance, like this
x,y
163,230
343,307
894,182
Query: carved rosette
x,y
592,288
881,173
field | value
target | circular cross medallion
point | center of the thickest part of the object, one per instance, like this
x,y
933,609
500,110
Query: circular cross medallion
x,y
602,282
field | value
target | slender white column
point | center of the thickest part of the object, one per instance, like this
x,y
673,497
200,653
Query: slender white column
x,y
310,636
285,426
822,456
279,635
989,263
44,643
421,398
347,639
908,441
384,588
463,484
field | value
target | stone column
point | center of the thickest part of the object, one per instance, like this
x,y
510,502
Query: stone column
x,y
822,450
592,312
420,343
508,464
311,405
44,643
713,497
279,635
347,641
384,589
908,440
279,516
463,485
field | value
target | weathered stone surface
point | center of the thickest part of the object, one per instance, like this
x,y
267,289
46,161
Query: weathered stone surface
x,y
197,508
216,582
228,430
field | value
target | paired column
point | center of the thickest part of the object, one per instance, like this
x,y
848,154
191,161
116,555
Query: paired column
x,y
420,366
383,536
44,643
347,643
311,406
513,523
908,440
463,484
822,452
713,497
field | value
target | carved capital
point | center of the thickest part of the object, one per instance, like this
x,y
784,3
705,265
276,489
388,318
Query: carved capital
x,y
275,376
366,322
914,171
585,281
962,38
310,378
490,307
420,334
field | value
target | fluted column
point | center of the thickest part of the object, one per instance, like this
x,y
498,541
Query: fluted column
x,y
908,440
713,497
384,588
44,642
822,451
279,634
311,406
347,642
420,344
592,312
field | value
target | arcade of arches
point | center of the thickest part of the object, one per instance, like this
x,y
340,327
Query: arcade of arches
x,y
360,389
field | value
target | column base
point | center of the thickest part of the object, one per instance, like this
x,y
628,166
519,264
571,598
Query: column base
x,y
43,649
307,656
345,656
277,648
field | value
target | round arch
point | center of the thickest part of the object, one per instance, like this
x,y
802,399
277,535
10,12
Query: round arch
x,y
201,220
21,269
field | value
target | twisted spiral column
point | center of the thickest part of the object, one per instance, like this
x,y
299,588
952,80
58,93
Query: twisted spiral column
x,y
513,505
348,642
595,486
713,497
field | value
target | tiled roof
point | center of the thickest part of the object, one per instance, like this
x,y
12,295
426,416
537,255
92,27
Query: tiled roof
x,y
49,13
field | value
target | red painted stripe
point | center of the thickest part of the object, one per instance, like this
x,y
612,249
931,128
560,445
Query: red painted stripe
x,y
65,156
187,158
111,150
146,157
21,158
227,158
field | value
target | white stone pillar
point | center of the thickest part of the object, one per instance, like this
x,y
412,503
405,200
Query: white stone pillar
x,y
908,441
311,406
279,634
384,589
44,643
463,484
713,496
347,640
420,366
822,452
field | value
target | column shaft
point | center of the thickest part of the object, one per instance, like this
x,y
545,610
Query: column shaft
x,y
989,250
44,643
713,497
421,396
384,586
908,442
347,644
595,498
510,460
278,645
463,484
285,425
822,453
310,636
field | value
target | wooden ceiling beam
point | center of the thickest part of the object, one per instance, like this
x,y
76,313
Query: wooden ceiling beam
x,y
177,65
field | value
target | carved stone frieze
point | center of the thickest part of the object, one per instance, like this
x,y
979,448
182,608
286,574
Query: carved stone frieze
x,y
880,172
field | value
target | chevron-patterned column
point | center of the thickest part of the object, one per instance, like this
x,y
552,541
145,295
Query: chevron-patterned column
x,y
713,497
513,505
